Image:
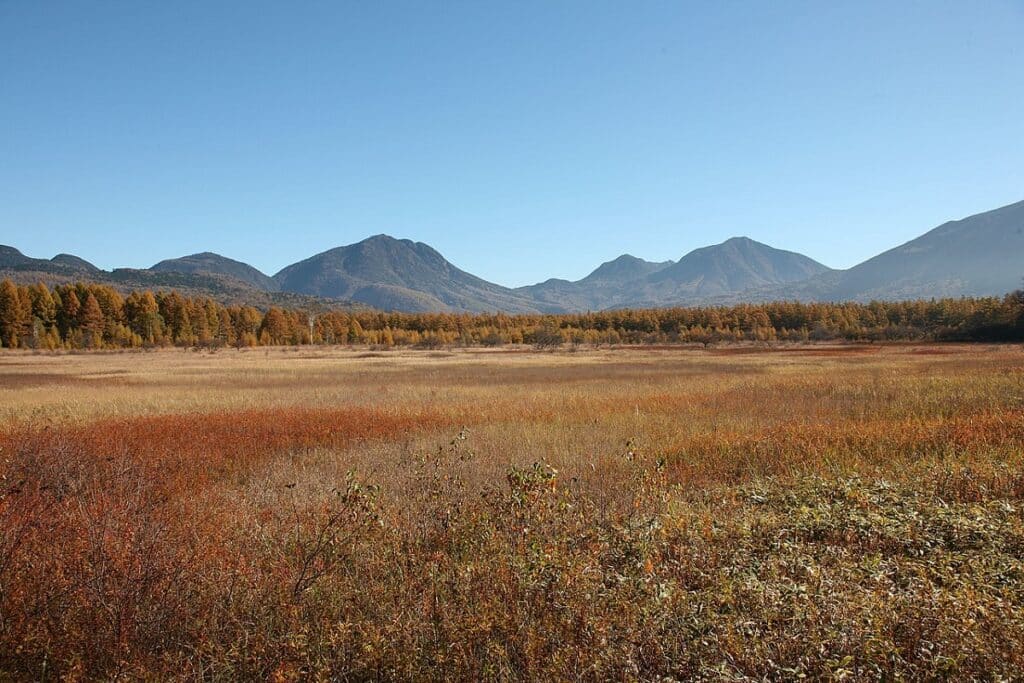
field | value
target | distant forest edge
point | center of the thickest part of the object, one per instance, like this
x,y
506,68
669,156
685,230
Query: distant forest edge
x,y
92,316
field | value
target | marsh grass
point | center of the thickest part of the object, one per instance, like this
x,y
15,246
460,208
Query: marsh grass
x,y
509,516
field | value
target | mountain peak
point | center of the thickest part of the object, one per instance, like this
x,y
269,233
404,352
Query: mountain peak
x,y
736,265
65,263
979,255
398,274
739,242
10,257
210,263
76,262
381,238
623,269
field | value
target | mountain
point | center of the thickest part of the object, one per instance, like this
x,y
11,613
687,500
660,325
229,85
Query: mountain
x,y
597,290
724,270
392,274
733,267
75,263
61,264
625,268
976,256
980,255
222,286
12,258
215,264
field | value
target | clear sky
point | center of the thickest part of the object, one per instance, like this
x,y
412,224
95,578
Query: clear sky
x,y
523,140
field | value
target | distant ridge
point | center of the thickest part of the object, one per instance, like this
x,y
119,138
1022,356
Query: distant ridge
x,y
979,255
208,262
735,266
64,264
67,268
625,268
394,274
75,262
730,270
597,290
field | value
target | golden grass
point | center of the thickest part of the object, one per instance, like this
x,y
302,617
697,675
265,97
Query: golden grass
x,y
848,511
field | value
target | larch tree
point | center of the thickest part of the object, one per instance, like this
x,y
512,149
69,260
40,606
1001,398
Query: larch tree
x,y
275,326
90,320
44,308
12,316
67,315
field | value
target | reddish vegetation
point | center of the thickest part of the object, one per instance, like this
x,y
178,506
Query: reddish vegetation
x,y
108,529
845,350
843,525
205,443
842,446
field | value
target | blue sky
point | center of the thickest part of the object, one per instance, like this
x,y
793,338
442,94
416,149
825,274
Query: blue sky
x,y
523,140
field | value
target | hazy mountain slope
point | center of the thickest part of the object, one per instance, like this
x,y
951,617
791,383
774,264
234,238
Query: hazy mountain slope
x,y
729,269
736,265
979,255
597,290
215,264
626,268
393,274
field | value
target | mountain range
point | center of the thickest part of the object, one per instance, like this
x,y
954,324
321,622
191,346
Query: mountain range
x,y
979,255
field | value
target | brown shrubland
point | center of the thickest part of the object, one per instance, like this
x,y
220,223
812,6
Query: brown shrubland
x,y
617,514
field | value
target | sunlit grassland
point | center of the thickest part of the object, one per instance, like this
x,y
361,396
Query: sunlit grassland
x,y
849,511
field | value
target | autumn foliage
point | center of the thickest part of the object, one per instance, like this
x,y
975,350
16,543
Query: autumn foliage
x,y
97,316
651,515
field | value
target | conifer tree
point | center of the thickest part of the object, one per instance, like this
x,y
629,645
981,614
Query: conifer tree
x,y
91,320
44,308
12,321
275,326
67,316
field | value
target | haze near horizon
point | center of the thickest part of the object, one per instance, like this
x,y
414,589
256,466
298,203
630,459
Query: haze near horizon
x,y
522,141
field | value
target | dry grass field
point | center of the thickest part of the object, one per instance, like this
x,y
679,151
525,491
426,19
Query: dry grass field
x,y
846,512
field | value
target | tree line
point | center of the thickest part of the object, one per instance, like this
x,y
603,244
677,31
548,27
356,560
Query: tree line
x,y
92,316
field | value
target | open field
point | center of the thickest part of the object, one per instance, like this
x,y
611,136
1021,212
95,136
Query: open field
x,y
848,512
